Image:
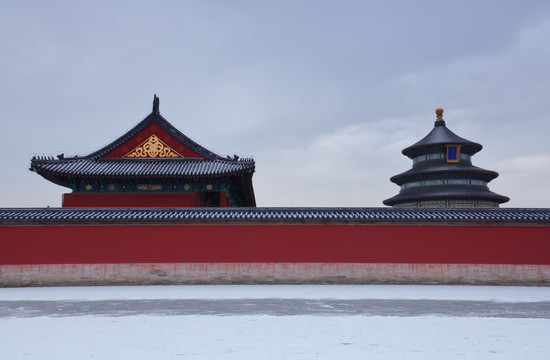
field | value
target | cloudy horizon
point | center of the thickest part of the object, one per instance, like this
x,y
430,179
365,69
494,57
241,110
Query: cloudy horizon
x,y
323,94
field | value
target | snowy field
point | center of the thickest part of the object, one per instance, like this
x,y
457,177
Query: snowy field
x,y
260,336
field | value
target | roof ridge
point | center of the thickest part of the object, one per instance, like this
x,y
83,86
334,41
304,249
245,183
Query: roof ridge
x,y
166,126
101,159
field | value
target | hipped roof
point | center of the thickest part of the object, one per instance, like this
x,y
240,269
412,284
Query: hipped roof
x,y
110,160
97,165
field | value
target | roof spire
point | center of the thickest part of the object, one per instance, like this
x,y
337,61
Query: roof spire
x,y
439,113
156,104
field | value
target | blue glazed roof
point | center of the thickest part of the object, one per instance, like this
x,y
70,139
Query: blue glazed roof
x,y
19,216
449,192
439,136
441,167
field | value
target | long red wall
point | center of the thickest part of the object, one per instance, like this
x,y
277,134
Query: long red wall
x,y
274,243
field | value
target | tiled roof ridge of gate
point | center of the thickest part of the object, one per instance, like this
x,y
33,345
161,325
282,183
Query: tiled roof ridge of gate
x,y
166,126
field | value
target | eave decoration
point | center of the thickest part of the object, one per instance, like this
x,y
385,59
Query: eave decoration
x,y
153,147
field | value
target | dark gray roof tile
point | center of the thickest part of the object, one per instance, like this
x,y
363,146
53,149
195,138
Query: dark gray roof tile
x,y
142,167
302,215
441,135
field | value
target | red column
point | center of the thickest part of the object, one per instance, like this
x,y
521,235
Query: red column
x,y
223,199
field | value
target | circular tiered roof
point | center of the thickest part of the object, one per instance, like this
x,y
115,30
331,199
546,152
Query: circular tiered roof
x,y
438,138
443,175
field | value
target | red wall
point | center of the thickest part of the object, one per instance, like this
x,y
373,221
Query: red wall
x,y
131,200
268,243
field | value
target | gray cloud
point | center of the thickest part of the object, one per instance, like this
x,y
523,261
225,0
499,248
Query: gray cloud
x,y
324,94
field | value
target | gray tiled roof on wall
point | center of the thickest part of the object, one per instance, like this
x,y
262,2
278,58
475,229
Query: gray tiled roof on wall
x,y
21,216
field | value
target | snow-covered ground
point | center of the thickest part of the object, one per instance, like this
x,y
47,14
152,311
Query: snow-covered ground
x,y
275,337
412,292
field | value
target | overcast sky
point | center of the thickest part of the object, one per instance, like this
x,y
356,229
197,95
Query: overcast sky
x,y
323,94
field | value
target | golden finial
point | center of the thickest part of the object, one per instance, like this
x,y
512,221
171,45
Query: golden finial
x,y
439,113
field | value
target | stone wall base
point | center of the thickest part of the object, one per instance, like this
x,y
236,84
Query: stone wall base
x,y
274,273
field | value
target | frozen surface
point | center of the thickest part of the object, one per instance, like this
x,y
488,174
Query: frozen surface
x,y
166,336
273,337
411,292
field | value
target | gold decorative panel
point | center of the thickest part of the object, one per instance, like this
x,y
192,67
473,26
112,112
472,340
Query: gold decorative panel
x,y
151,148
149,187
